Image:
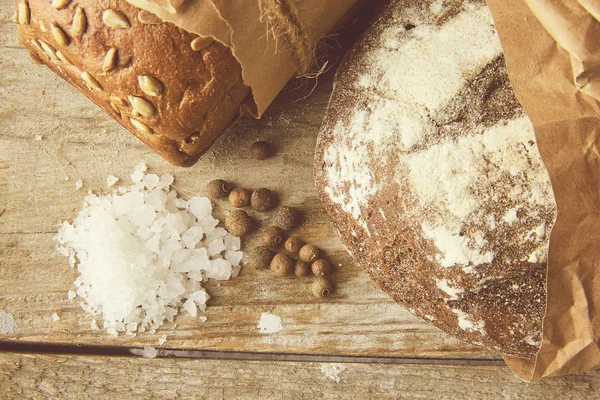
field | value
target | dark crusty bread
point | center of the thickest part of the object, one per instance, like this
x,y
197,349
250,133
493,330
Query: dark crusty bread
x,y
186,90
429,170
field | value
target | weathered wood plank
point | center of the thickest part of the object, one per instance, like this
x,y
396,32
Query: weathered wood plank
x,y
359,319
34,376
79,141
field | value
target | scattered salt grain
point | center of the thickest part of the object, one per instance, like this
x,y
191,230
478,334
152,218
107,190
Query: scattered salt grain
x,y
71,295
333,371
269,323
54,317
149,352
143,254
111,180
78,184
162,340
203,318
7,323
37,138
94,325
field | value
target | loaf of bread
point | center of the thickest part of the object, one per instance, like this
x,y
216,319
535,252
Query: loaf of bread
x,y
174,90
429,170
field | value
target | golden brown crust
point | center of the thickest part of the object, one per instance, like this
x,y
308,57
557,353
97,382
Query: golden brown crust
x,y
192,96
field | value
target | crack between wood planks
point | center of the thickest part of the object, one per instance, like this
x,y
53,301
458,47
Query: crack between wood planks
x,y
116,351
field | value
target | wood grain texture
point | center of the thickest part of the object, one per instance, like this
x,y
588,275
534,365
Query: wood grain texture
x,y
76,140
34,376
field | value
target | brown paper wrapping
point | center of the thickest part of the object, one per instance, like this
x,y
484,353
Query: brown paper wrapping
x,y
552,54
266,55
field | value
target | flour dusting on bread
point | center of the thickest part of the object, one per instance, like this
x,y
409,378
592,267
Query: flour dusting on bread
x,y
429,167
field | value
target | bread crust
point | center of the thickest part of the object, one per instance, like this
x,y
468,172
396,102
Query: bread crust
x,y
202,90
365,184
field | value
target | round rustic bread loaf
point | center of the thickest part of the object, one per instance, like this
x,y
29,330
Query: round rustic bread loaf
x,y
429,170
172,89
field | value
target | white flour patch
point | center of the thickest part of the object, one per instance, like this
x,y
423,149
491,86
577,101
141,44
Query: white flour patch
x,y
466,323
333,371
453,292
269,323
7,323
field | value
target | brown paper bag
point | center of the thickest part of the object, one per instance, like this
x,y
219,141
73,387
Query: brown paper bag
x,y
552,51
271,39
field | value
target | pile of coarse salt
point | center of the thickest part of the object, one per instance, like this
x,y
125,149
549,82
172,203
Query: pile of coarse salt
x,y
143,253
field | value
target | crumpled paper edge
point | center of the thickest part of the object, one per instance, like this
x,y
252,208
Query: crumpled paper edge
x,y
567,126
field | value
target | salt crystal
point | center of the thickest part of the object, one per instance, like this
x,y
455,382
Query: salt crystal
x,y
234,257
333,371
111,180
37,138
232,242
150,352
150,181
216,247
7,323
190,307
166,179
137,176
192,236
142,254
162,340
219,269
141,167
78,184
269,323
54,317
203,318
200,207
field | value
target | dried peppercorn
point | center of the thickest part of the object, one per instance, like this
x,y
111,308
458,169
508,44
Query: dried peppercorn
x,y
272,236
218,188
260,257
321,267
286,218
262,200
239,197
294,244
302,269
260,150
238,223
282,265
309,253
321,287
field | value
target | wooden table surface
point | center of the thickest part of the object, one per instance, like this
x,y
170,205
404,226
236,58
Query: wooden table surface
x,y
356,344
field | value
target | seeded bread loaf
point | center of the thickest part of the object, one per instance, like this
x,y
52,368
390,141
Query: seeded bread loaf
x,y
174,90
429,169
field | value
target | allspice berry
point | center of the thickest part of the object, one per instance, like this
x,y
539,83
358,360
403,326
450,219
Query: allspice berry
x,y
321,287
321,267
260,257
239,197
302,269
218,188
309,253
262,200
294,244
282,265
286,218
272,236
238,223
260,150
